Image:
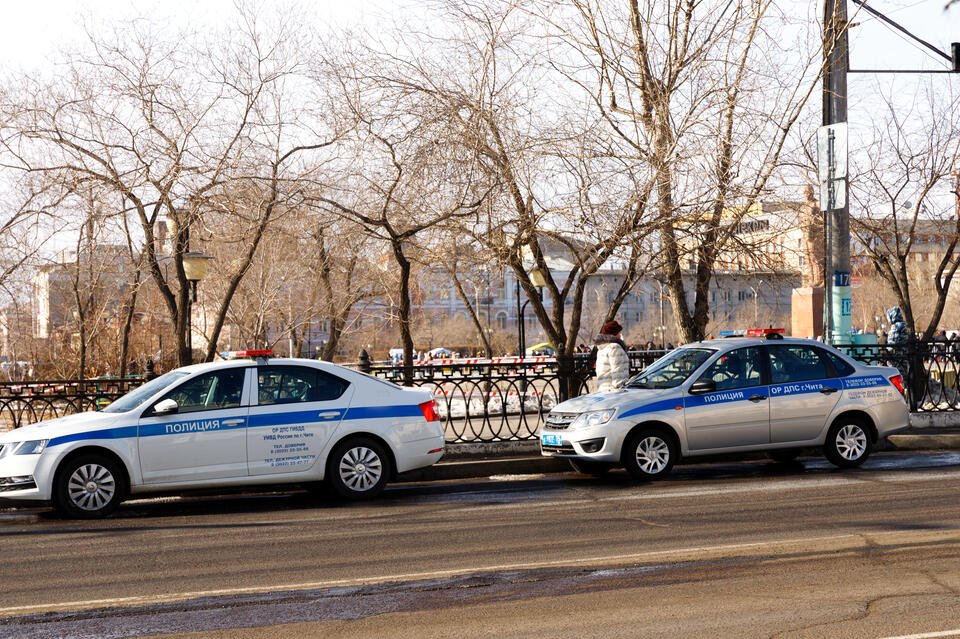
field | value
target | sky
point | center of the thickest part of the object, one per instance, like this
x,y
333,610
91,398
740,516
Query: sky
x,y
34,31
31,32
874,45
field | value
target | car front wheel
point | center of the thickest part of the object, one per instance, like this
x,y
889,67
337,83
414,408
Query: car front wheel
x,y
848,444
88,487
649,454
358,469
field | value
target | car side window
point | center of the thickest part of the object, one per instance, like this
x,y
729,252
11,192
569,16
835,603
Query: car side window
x,y
295,384
740,368
211,391
795,363
840,367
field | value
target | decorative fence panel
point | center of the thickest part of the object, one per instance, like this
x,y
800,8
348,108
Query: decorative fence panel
x,y
28,402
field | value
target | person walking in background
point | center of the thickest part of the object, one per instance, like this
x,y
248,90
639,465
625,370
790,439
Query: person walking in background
x,y
613,363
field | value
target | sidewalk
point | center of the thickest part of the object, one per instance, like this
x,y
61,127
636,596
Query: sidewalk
x,y
467,461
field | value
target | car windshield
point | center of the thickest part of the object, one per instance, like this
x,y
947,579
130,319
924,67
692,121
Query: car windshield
x,y
672,369
141,394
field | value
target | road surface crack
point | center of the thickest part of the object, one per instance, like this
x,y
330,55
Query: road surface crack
x,y
647,522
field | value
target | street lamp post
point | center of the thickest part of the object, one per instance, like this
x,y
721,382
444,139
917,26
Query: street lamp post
x,y
756,302
538,280
660,284
661,330
662,327
195,268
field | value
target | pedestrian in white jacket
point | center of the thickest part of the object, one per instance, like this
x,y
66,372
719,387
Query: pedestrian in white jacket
x,y
613,363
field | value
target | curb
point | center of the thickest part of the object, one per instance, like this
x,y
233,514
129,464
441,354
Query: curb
x,y
933,441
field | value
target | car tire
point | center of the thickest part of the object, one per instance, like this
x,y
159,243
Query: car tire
x,y
358,469
587,467
848,443
88,487
649,454
784,456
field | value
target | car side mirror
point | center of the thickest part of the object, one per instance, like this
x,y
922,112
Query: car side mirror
x,y
165,407
702,386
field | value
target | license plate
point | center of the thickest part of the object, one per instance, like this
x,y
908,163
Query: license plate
x,y
550,439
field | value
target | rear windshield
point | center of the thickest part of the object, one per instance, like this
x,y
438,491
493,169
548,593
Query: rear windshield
x,y
380,379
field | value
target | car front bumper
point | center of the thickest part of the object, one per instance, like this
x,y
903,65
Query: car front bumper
x,y
18,478
600,443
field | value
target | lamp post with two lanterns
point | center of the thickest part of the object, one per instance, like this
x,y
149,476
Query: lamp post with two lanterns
x,y
195,265
538,280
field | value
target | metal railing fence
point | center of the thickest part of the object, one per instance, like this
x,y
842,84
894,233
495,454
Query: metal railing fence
x,y
502,399
929,371
33,401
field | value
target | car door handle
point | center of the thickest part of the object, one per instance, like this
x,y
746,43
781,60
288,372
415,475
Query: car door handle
x,y
757,398
828,391
233,422
330,414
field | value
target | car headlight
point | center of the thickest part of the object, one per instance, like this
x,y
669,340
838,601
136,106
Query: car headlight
x,y
34,447
593,418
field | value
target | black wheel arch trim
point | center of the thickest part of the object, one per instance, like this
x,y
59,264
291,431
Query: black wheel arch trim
x,y
861,417
96,450
666,428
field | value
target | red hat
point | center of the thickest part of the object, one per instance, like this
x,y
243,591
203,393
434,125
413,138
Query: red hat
x,y
611,328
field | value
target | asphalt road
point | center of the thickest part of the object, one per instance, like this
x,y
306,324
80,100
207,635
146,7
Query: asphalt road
x,y
718,550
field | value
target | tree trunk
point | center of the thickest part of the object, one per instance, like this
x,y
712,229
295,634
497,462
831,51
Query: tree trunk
x,y
337,324
472,312
127,325
404,311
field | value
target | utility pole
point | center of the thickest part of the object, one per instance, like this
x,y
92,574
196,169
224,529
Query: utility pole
x,y
833,186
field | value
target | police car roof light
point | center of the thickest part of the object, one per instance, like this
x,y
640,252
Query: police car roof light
x,y
734,333
765,332
248,354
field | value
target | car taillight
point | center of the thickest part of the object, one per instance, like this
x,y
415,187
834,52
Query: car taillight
x,y
430,411
897,380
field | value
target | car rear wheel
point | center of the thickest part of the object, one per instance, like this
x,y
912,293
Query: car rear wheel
x,y
649,454
848,444
358,469
88,487
586,467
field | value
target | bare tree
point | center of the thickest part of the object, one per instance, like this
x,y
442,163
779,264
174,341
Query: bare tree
x,y
405,174
167,125
469,270
564,202
907,222
689,88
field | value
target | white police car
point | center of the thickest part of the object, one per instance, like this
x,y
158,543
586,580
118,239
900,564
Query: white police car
x,y
242,422
777,394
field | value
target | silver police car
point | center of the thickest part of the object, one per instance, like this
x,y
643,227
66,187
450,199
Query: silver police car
x,y
779,395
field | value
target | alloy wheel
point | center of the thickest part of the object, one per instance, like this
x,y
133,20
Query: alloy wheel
x,y
851,442
653,455
360,468
91,487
